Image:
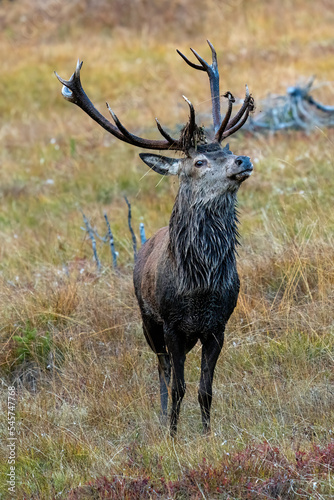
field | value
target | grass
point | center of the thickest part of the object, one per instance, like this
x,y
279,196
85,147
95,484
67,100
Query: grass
x,y
87,386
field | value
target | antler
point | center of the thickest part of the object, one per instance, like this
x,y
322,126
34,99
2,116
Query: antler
x,y
226,127
213,73
73,92
238,120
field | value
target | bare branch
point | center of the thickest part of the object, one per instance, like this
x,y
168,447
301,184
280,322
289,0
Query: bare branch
x,y
134,239
142,233
91,234
111,243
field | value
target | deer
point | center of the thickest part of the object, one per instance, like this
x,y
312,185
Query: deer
x,y
185,276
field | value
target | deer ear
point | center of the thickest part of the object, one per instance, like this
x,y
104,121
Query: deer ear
x,y
161,164
226,149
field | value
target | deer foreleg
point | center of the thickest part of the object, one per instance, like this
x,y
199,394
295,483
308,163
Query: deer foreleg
x,y
177,357
210,353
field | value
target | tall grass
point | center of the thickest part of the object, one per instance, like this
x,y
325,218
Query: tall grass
x,y
71,340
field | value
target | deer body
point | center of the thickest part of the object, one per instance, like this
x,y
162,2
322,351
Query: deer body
x,y
185,276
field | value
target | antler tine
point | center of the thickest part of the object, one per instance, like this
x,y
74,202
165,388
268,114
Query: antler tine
x,y
164,133
70,85
231,100
213,74
132,139
191,64
238,120
192,120
248,102
236,127
74,92
214,53
145,143
238,124
207,67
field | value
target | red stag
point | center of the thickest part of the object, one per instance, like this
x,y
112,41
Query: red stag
x,y
185,276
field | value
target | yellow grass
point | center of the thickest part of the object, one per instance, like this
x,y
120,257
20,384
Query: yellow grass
x,y
88,393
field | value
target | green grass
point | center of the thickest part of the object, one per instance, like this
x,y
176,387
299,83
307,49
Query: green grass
x,y
71,340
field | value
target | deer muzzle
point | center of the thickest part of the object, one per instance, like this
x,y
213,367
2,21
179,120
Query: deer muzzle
x,y
242,168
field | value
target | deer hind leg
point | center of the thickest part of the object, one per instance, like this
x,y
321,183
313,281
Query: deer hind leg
x,y
154,334
210,353
177,358
164,367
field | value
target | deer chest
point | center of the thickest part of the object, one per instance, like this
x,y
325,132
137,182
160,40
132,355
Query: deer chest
x,y
201,314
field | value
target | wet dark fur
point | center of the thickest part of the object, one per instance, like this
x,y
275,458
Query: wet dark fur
x,y
202,242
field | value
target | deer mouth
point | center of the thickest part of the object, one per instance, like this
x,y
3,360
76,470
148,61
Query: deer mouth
x,y
242,176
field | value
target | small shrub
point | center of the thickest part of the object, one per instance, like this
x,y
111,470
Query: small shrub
x,y
32,347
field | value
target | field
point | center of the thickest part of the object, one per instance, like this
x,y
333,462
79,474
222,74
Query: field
x,y
86,399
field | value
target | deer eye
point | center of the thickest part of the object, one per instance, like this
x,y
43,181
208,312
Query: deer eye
x,y
200,163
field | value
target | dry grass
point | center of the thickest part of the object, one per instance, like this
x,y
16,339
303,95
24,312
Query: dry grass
x,y
87,382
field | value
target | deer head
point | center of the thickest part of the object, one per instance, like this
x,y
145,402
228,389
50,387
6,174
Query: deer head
x,y
208,170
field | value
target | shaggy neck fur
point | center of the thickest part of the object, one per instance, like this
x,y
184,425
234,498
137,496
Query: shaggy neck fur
x,y
203,239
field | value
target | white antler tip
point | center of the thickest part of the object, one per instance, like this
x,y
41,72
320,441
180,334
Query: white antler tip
x,y
66,92
78,68
112,113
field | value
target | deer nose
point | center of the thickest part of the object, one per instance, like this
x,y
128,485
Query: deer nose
x,y
244,162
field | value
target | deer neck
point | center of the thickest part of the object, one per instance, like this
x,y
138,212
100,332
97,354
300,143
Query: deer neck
x,y
202,241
